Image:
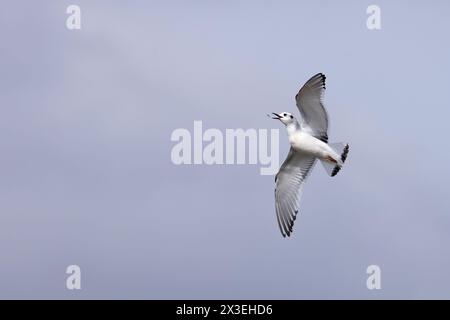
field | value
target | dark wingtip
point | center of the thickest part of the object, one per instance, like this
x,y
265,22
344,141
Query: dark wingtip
x,y
323,79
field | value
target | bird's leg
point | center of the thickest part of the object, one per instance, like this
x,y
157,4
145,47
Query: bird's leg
x,y
330,159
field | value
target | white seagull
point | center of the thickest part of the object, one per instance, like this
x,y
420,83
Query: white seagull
x,y
309,142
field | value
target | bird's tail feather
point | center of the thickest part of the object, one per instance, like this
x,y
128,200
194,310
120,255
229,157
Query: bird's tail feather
x,y
340,148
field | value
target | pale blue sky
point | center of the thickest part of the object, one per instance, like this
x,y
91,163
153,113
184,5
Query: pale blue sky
x,y
85,170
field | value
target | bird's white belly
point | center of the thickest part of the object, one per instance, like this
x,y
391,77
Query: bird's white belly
x,y
306,143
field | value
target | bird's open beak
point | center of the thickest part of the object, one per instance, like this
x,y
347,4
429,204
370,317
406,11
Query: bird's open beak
x,y
276,116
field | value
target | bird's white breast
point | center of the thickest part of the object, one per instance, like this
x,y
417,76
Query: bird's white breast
x,y
304,142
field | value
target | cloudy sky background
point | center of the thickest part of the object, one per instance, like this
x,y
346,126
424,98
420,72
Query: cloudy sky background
x,y
85,170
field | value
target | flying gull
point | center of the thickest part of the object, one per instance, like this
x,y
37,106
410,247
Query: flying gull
x,y
309,142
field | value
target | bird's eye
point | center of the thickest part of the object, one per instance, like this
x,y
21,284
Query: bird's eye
x,y
285,114
292,117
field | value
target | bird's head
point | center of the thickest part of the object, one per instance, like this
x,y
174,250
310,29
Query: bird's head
x,y
285,117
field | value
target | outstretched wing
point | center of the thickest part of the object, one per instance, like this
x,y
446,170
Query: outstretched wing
x,y
310,104
289,182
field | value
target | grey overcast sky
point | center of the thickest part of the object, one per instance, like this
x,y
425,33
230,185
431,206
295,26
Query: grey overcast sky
x,y
86,176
